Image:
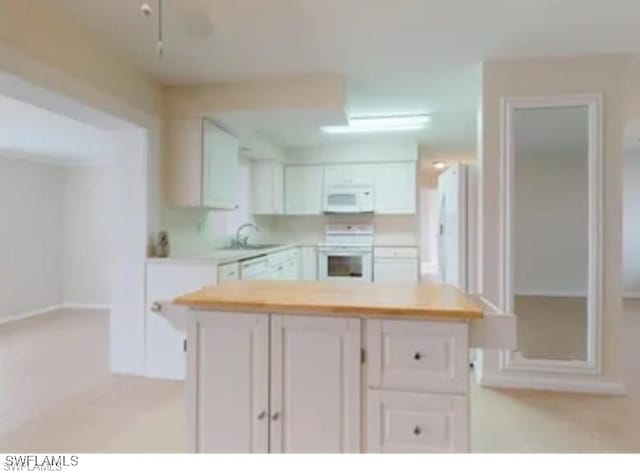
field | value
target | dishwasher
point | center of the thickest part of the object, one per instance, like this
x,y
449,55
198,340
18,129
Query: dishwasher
x,y
254,268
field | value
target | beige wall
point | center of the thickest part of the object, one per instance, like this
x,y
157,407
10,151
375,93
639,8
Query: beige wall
x,y
605,74
29,27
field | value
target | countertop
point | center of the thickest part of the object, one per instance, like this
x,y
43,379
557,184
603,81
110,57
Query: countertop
x,y
416,301
221,256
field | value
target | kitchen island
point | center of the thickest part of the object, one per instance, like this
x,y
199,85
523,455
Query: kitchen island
x,y
320,366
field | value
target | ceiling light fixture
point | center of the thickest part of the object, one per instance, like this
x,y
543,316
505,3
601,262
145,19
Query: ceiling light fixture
x,y
439,165
381,124
147,11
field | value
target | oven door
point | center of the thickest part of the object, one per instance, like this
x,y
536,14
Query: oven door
x,y
345,264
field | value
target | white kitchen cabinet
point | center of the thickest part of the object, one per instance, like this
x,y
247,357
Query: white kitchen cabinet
x,y
202,165
165,356
233,389
228,272
309,263
274,383
395,265
395,188
348,175
400,422
267,187
304,190
315,384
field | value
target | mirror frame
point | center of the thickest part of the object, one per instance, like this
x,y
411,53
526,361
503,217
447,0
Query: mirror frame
x,y
514,360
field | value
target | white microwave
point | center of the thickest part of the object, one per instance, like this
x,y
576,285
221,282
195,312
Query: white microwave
x,y
356,198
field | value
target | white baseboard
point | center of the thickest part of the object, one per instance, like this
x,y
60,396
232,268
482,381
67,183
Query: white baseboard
x,y
73,305
553,384
31,313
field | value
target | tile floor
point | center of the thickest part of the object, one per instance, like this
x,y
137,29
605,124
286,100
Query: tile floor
x,y
56,394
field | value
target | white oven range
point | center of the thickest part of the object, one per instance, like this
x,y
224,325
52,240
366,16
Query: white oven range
x,y
347,254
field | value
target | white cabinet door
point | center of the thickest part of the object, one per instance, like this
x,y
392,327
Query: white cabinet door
x,y
267,187
309,263
315,384
348,174
183,183
229,383
395,270
164,344
399,422
395,188
220,168
304,190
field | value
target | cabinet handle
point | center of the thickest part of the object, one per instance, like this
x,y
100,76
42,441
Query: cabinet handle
x,y
417,356
262,415
417,430
156,307
275,416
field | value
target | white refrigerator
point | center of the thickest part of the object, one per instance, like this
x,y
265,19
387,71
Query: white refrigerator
x,y
456,225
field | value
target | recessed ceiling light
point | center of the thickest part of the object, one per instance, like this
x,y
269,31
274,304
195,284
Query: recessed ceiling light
x,y
439,164
381,124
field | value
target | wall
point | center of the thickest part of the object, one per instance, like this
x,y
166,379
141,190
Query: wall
x,y
631,260
31,239
605,74
88,230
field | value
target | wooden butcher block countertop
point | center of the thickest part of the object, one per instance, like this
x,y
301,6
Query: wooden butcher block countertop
x,y
426,300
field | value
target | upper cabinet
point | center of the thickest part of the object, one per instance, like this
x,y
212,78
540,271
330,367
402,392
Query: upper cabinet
x,y
348,175
267,187
202,165
395,188
304,190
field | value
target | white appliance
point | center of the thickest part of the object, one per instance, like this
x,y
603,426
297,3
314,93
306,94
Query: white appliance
x,y
347,254
452,226
348,188
254,268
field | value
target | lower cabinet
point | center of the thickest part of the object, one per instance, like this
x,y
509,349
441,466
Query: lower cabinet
x,y
400,422
274,383
297,384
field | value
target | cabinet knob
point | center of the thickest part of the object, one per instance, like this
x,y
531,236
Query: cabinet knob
x,y
156,307
417,430
262,415
275,416
417,356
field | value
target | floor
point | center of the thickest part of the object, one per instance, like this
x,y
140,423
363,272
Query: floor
x,y
56,394
552,328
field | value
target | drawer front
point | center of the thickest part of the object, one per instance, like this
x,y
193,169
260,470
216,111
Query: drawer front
x,y
418,356
400,422
228,272
395,252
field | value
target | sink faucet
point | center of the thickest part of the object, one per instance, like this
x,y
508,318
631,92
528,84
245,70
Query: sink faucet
x,y
238,241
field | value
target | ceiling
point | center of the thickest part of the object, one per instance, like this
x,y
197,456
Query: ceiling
x,y
399,56
34,133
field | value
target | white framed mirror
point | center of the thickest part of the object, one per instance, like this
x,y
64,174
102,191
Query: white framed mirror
x,y
551,216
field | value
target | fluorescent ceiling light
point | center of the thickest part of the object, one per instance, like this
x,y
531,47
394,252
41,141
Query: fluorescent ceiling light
x,y
381,124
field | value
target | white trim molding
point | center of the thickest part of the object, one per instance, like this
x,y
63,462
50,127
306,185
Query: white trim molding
x,y
594,386
513,361
74,305
29,314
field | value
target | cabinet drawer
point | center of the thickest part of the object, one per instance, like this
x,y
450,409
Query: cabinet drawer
x,y
418,356
228,272
416,423
395,252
